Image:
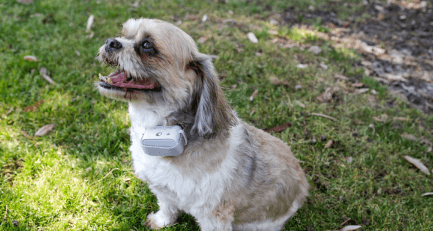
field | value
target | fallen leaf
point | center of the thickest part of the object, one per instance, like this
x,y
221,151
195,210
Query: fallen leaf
x,y
324,66
273,21
284,42
371,49
279,128
254,94
351,227
302,66
427,194
315,50
362,90
76,52
252,37
204,18
342,77
409,137
298,87
30,58
273,32
426,141
90,21
325,116
233,86
33,107
325,96
25,134
377,119
349,159
45,130
328,145
190,17
418,164
393,77
374,92
229,20
278,82
88,169
400,118
367,72
366,63
202,39
43,72
357,84
379,8
290,45
135,4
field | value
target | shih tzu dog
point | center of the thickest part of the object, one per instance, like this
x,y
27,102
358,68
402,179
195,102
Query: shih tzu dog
x,y
230,175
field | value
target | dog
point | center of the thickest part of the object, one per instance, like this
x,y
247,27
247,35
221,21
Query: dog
x,y
230,175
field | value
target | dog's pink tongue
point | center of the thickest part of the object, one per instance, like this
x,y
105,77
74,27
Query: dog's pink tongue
x,y
119,79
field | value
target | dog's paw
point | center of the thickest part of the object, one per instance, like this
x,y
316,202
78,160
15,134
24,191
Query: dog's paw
x,y
157,221
151,223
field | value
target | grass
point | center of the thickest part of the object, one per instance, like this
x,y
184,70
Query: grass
x,y
79,176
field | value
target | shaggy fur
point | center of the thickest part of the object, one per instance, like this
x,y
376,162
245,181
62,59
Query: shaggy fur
x,y
231,176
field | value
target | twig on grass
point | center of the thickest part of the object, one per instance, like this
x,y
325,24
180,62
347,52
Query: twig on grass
x,y
325,116
348,219
108,173
43,72
25,134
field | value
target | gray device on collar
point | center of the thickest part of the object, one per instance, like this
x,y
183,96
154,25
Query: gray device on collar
x,y
164,141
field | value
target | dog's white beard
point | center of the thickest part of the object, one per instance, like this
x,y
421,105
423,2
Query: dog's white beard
x,y
145,116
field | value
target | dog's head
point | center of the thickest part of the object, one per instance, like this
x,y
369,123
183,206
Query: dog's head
x,y
159,65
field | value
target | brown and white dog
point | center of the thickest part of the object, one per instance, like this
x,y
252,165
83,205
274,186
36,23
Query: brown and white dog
x,y
230,176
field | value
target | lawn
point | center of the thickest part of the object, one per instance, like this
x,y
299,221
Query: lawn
x,y
79,176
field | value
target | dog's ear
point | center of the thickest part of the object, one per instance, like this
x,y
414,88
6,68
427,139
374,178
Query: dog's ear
x,y
212,110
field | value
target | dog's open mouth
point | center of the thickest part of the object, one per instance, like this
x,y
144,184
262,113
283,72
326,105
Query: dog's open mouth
x,y
119,79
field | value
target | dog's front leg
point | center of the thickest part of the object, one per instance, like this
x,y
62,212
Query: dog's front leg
x,y
166,216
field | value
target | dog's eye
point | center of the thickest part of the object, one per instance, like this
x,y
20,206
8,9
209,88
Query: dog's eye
x,y
146,45
147,48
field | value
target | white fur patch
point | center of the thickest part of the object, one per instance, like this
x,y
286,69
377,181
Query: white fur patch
x,y
196,194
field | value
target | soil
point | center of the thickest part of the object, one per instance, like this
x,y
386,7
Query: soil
x,y
395,41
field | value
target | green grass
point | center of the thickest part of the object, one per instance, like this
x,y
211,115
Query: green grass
x,y
79,176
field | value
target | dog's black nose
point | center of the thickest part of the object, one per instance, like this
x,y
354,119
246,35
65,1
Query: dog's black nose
x,y
112,44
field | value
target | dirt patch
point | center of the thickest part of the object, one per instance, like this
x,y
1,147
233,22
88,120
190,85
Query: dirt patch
x,y
395,42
